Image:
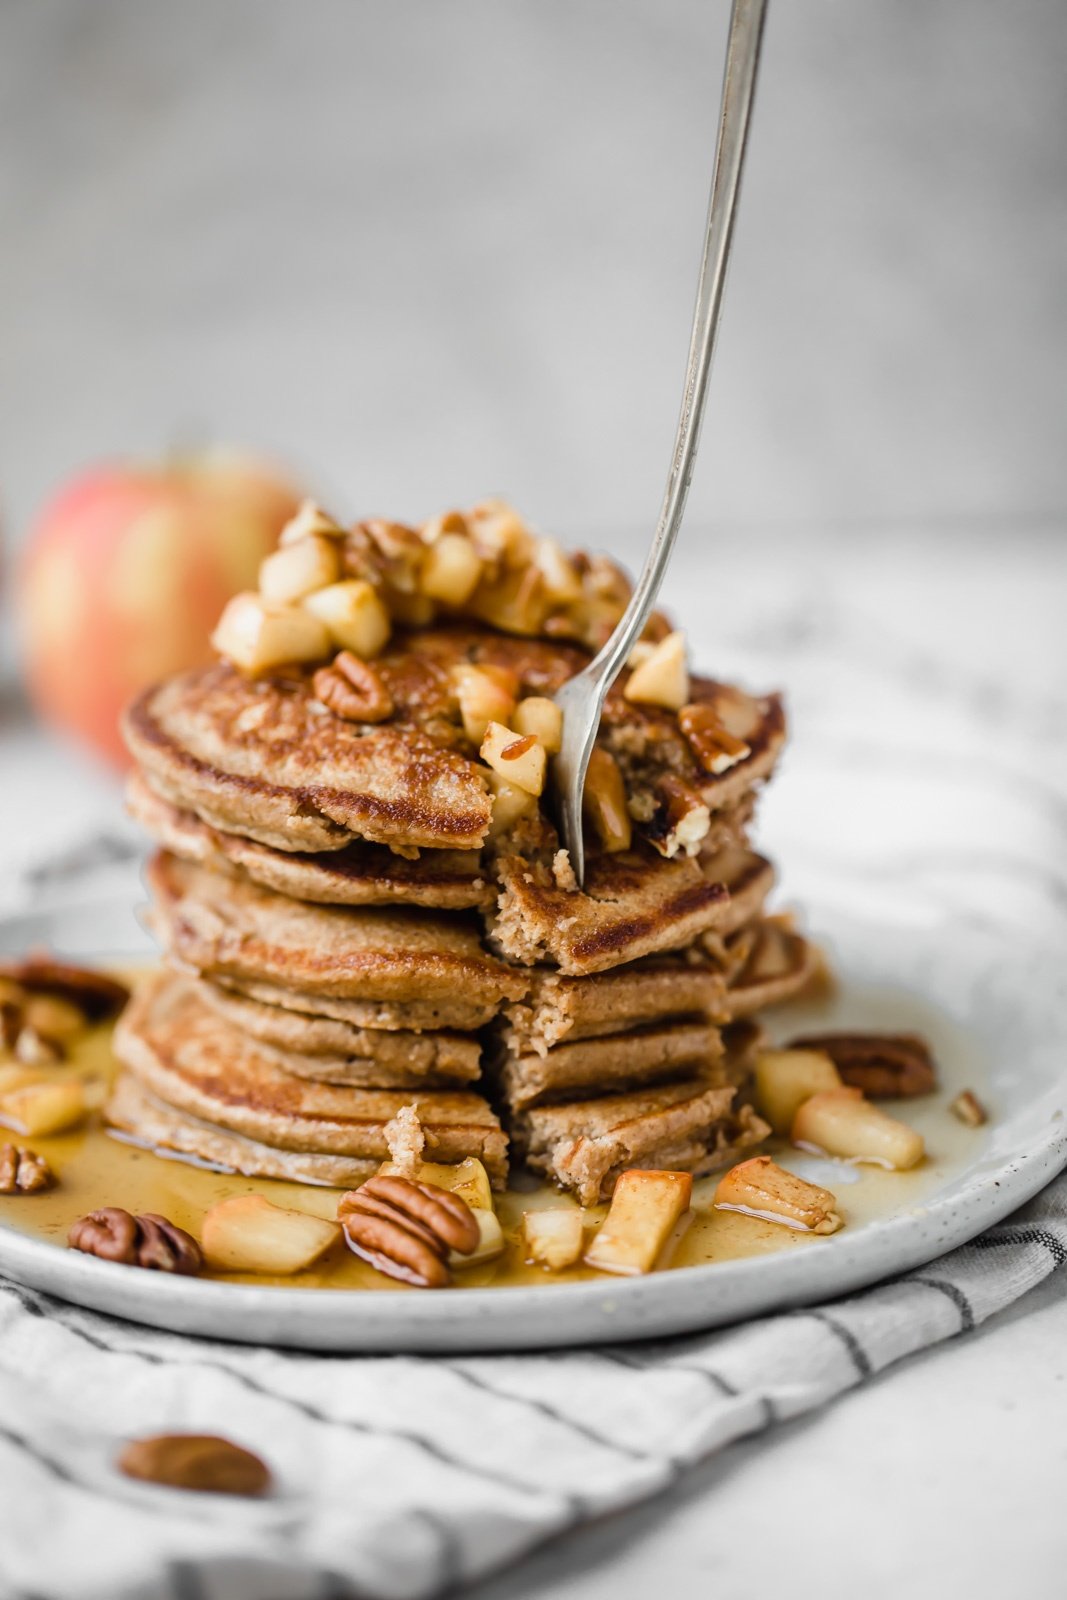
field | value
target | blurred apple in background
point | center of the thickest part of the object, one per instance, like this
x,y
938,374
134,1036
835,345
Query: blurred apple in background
x,y
125,575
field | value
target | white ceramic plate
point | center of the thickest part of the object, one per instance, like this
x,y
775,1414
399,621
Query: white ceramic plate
x,y
996,1007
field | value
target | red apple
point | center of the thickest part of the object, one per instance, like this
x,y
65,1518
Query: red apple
x,y
126,573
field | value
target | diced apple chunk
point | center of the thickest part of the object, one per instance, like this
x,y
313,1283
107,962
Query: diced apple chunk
x,y
842,1123
515,756
501,532
542,718
490,1242
298,569
468,1179
786,1078
248,1234
662,678
258,637
604,801
40,1109
761,1188
483,698
562,583
644,1210
554,1238
510,803
353,615
310,521
451,570
54,1018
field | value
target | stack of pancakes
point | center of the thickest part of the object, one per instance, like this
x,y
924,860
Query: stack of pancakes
x,y
349,932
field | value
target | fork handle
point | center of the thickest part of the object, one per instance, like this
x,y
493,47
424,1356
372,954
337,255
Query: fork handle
x,y
739,83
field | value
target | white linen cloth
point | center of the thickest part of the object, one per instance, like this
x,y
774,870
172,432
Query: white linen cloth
x,y
410,1476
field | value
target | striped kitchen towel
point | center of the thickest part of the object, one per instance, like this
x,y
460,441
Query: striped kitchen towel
x,y
411,1476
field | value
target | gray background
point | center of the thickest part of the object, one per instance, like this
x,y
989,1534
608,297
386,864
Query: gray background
x,y
424,251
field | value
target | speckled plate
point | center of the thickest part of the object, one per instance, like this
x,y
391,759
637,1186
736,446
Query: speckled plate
x,y
992,1002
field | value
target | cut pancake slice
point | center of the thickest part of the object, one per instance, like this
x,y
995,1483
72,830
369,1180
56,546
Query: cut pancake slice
x,y
323,1047
683,1127
356,875
556,1008
227,927
185,1055
608,1065
694,1125
634,904
139,1117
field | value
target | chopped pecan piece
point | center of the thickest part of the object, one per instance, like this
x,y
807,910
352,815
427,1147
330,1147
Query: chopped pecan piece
x,y
195,1461
96,994
23,1171
353,690
406,1229
715,747
969,1109
681,819
889,1066
143,1241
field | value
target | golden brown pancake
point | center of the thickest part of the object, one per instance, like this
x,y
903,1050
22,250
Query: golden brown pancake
x,y
139,1117
633,904
263,758
358,874
186,1056
589,1067
556,1008
228,927
336,1052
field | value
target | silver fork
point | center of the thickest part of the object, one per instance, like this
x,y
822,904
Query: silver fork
x,y
582,698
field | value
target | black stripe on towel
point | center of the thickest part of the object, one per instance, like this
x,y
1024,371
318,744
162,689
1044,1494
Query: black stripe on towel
x,y
1010,1236
953,1293
856,1353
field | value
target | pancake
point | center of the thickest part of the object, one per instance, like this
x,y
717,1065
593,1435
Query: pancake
x,y
358,874
229,927
265,759
142,1119
607,1065
634,904
392,1016
185,1055
556,1008
305,1039
777,964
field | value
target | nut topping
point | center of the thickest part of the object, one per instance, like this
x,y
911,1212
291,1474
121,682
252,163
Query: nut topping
x,y
353,690
407,1229
969,1109
199,1461
94,992
23,1171
715,747
681,820
144,1241
884,1065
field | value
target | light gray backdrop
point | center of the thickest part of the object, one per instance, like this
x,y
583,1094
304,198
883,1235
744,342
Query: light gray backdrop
x,y
428,250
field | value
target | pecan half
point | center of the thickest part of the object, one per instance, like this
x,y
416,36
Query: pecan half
x,y
884,1065
353,690
715,747
144,1241
968,1109
98,995
23,1171
406,1229
200,1461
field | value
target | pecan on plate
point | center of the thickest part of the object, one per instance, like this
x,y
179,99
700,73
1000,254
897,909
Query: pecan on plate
x,y
968,1109
890,1066
23,1171
406,1229
42,973
199,1461
353,690
143,1241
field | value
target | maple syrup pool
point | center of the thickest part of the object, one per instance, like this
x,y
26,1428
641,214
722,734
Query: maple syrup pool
x,y
96,1168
